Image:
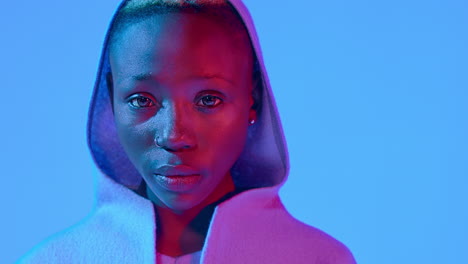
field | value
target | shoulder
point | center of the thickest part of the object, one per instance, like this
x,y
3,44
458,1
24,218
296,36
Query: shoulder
x,y
53,250
270,232
318,245
101,238
304,241
67,246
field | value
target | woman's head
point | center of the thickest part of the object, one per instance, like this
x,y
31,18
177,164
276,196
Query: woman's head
x,y
183,94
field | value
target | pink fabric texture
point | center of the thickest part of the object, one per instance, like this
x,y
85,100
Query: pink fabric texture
x,y
250,227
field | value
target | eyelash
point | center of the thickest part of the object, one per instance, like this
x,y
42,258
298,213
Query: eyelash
x,y
135,101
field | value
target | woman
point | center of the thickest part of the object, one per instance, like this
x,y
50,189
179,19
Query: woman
x,y
184,128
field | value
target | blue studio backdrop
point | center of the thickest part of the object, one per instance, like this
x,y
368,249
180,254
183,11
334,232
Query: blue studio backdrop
x,y
373,96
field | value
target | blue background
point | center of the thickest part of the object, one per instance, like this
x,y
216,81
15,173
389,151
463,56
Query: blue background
x,y
372,94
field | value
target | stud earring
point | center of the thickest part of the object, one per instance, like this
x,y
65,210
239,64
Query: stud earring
x,y
252,121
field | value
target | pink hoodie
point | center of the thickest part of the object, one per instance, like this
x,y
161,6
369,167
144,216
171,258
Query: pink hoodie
x,y
250,227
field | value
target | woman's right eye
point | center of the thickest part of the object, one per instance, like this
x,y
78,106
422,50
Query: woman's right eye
x,y
141,101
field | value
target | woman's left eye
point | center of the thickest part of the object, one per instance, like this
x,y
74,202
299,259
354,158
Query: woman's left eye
x,y
209,101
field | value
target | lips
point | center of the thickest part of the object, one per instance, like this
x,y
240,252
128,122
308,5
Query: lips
x,y
179,178
176,170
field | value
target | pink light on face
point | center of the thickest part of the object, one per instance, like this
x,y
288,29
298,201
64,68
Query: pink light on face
x,y
182,97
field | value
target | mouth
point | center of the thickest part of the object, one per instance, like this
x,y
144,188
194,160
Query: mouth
x,y
176,170
178,183
177,178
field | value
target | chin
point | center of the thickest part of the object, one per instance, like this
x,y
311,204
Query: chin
x,y
178,207
177,202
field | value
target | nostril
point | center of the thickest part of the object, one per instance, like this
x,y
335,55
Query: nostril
x,y
173,143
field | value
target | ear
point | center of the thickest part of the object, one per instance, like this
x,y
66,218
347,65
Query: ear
x,y
253,110
110,88
255,98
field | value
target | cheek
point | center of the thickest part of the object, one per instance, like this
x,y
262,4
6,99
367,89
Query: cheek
x,y
133,136
223,140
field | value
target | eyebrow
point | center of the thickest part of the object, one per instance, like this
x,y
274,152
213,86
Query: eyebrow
x,y
142,77
213,76
149,76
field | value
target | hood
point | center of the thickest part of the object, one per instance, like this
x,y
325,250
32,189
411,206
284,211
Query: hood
x,y
263,163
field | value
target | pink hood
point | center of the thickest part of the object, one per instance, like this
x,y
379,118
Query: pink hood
x,y
263,163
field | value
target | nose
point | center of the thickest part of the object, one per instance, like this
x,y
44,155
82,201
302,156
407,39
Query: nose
x,y
175,129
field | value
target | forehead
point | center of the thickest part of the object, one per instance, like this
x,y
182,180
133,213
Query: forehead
x,y
176,45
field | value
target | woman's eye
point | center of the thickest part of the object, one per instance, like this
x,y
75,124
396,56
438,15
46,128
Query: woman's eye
x,y
141,102
209,101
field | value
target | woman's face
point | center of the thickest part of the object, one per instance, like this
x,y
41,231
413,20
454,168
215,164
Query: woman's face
x,y
182,103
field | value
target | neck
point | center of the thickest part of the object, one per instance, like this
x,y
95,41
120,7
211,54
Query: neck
x,y
184,232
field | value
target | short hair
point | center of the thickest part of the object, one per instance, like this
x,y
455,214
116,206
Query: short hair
x,y
133,11
136,10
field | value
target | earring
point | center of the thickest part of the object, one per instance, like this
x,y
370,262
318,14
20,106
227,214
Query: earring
x,y
252,121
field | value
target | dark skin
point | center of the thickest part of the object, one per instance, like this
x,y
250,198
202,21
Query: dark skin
x,y
180,234
184,82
